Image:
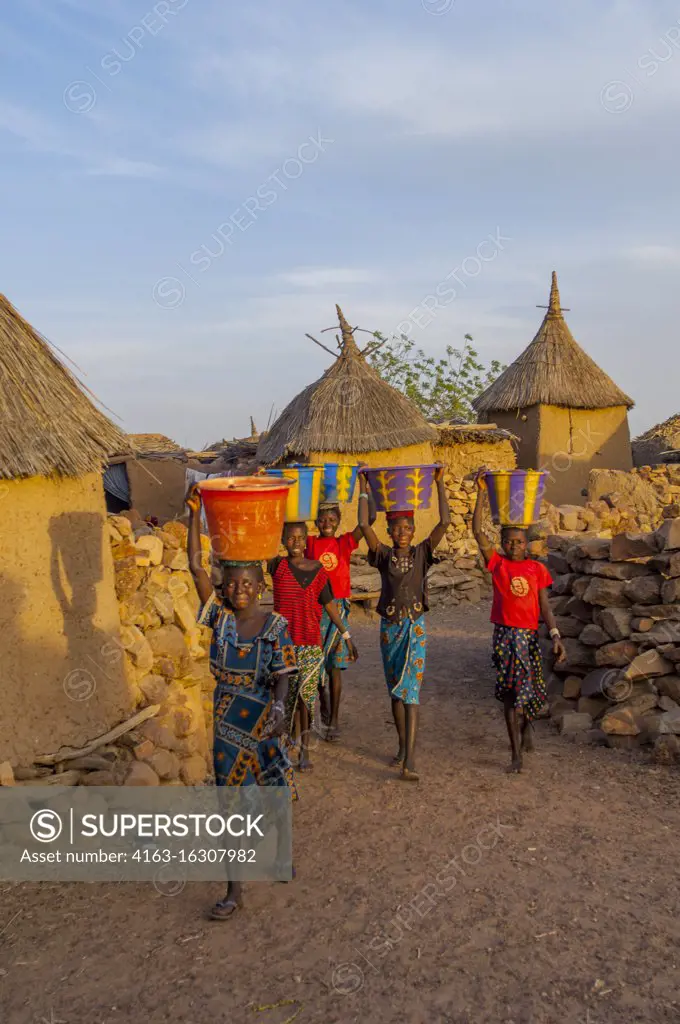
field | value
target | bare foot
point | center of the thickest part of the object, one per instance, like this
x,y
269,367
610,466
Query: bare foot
x,y
304,764
515,766
398,761
409,775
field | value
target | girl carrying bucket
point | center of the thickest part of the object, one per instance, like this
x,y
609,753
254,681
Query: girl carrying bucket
x,y
302,593
252,658
520,596
402,606
334,553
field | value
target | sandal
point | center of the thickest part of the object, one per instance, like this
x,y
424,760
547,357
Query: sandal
x,y
225,909
408,775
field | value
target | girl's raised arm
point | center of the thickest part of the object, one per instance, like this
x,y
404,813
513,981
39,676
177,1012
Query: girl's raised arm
x,y
440,529
201,578
485,545
365,522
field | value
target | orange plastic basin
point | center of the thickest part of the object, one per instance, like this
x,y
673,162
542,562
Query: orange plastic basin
x,y
245,515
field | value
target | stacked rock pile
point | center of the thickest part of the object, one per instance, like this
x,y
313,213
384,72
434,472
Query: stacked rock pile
x,y
617,604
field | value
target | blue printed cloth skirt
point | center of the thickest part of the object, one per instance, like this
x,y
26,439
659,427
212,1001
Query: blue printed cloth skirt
x,y
519,669
403,645
336,655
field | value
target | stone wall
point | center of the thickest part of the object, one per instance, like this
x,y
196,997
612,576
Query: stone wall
x,y
617,604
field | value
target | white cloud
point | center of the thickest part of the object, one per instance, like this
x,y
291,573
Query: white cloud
x,y
654,255
328,277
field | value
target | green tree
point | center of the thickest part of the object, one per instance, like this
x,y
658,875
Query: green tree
x,y
441,388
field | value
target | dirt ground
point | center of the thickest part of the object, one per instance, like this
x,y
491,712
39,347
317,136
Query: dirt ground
x,y
472,897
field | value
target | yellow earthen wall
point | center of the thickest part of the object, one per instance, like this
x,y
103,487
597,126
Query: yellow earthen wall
x,y
61,667
574,441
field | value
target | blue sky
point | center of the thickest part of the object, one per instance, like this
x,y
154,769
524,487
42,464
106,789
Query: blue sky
x,y
357,153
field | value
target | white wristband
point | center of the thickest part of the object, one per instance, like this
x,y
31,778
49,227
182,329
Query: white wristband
x,y
555,634
346,636
363,495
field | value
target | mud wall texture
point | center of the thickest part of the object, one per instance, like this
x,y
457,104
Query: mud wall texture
x,y
60,679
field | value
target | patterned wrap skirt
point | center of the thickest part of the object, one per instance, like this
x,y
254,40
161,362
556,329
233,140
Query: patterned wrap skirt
x,y
519,669
335,656
310,668
403,646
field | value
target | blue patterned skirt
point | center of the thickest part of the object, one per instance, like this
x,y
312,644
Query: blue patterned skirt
x,y
338,656
519,669
403,645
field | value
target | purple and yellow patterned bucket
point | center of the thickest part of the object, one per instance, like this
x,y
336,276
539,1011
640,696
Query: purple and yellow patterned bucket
x,y
401,488
515,495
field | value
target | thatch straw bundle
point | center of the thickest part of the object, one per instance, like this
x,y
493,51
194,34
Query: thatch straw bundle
x,y
659,444
47,423
351,409
154,444
553,370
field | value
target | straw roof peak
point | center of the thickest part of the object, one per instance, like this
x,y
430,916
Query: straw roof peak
x,y
350,409
348,345
553,370
48,423
554,306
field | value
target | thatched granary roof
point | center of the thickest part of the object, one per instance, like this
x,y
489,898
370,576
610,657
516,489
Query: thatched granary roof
x,y
48,424
659,444
473,433
553,370
155,444
350,409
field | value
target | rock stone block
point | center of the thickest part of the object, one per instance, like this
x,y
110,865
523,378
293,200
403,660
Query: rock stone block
x,y
645,590
620,722
569,626
165,764
574,722
602,682
141,774
594,636
578,609
193,770
592,706
607,593
633,545
669,686
668,535
578,655
563,584
648,665
170,652
149,550
593,548
6,774
670,591
580,586
618,654
137,647
571,689
616,622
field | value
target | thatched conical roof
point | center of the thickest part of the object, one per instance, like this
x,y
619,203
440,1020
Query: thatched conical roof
x,y
553,370
658,444
47,422
349,409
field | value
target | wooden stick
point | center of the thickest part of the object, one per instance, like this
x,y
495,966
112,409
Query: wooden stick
x,y
69,753
324,347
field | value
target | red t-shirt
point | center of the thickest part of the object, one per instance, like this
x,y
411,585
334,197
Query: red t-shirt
x,y
516,586
333,553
